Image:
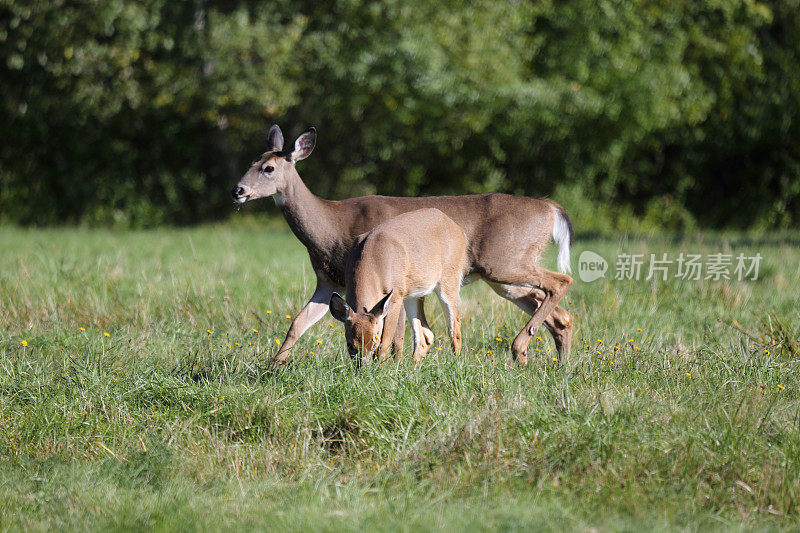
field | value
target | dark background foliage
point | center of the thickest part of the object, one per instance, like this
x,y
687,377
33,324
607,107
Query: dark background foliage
x,y
136,113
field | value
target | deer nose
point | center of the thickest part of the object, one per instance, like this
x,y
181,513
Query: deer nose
x,y
237,192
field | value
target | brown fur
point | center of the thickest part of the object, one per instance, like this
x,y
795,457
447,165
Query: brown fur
x,y
505,234
404,258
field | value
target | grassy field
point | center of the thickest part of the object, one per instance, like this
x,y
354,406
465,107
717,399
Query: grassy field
x,y
133,394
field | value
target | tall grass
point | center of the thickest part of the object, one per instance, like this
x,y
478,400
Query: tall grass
x,y
141,397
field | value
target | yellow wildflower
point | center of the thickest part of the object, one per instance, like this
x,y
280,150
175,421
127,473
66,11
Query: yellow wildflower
x,y
269,312
24,343
82,328
780,386
288,316
106,334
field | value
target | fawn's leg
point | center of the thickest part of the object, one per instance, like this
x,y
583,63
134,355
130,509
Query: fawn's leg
x,y
399,334
390,324
448,298
423,336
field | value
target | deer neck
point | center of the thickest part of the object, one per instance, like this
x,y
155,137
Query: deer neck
x,y
369,277
307,215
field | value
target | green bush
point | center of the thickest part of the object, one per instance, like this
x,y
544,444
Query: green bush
x,y
138,113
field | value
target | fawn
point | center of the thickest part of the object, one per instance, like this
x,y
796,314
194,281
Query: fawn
x,y
398,263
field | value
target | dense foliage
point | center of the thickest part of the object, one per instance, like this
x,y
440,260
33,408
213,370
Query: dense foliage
x,y
140,112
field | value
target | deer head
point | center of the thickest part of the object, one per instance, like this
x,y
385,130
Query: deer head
x,y
270,174
362,330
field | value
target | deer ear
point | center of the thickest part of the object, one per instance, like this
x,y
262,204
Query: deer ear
x,y
339,308
382,307
275,139
304,144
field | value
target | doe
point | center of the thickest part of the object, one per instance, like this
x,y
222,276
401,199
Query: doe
x,y
396,265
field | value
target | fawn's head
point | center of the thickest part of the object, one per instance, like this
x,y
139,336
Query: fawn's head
x,y
270,173
362,330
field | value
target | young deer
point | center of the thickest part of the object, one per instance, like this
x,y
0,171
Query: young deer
x,y
395,265
505,234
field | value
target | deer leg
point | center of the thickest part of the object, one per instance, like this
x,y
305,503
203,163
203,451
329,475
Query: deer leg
x,y
427,332
448,299
309,315
423,336
559,324
550,285
399,334
389,328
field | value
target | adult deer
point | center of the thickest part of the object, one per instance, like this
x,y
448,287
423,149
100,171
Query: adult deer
x,y
394,265
505,234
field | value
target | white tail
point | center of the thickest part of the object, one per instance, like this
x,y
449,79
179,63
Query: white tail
x,y
562,236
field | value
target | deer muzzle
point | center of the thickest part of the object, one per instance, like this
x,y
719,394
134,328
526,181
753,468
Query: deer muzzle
x,y
240,194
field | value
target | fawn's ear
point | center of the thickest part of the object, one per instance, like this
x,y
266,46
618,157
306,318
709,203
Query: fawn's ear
x,y
382,307
274,139
304,144
339,308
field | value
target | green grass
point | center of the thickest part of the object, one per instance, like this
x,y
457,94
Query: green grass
x,y
161,425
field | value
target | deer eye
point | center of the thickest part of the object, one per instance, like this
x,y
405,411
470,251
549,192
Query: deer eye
x,y
267,168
